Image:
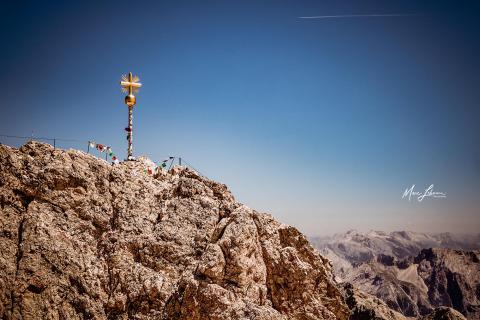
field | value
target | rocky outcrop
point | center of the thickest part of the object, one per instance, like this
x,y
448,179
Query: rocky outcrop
x,y
367,307
352,248
415,286
452,278
82,239
444,313
404,271
382,282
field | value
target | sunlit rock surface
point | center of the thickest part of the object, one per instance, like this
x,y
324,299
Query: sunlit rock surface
x,y
82,239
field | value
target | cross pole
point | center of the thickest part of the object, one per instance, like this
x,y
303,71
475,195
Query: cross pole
x,y
130,84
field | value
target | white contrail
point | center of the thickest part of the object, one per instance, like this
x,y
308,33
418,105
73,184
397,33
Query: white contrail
x,y
360,16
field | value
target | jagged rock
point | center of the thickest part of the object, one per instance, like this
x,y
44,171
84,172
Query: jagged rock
x,y
367,307
82,239
444,313
452,278
414,280
354,248
436,277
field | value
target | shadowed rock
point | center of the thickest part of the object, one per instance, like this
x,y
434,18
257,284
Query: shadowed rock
x,y
444,313
367,307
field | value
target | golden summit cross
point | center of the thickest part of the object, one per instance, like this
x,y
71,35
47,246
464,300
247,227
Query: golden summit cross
x,y
130,84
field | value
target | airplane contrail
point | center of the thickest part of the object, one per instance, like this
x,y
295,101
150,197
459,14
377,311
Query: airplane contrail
x,y
360,16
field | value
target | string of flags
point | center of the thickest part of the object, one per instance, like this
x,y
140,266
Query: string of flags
x,y
103,148
109,152
161,165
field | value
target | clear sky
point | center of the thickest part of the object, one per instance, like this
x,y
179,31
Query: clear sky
x,y
321,122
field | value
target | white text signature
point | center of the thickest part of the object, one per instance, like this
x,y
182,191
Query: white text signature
x,y
420,195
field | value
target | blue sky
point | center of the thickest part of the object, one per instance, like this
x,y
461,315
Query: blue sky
x,y
321,122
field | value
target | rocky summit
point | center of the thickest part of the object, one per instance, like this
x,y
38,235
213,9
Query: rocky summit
x,y
83,239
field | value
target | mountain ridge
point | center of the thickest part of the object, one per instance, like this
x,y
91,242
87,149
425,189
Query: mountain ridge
x,y
354,247
402,270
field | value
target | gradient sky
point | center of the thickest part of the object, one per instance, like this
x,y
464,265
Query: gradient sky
x,y
321,122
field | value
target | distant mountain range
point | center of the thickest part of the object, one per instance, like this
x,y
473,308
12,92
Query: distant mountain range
x,y
411,272
353,247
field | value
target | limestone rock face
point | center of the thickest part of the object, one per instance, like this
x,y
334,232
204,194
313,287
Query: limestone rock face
x,y
82,239
404,271
452,278
352,248
364,306
416,286
444,313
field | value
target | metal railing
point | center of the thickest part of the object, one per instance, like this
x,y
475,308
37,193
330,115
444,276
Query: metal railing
x,y
84,145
